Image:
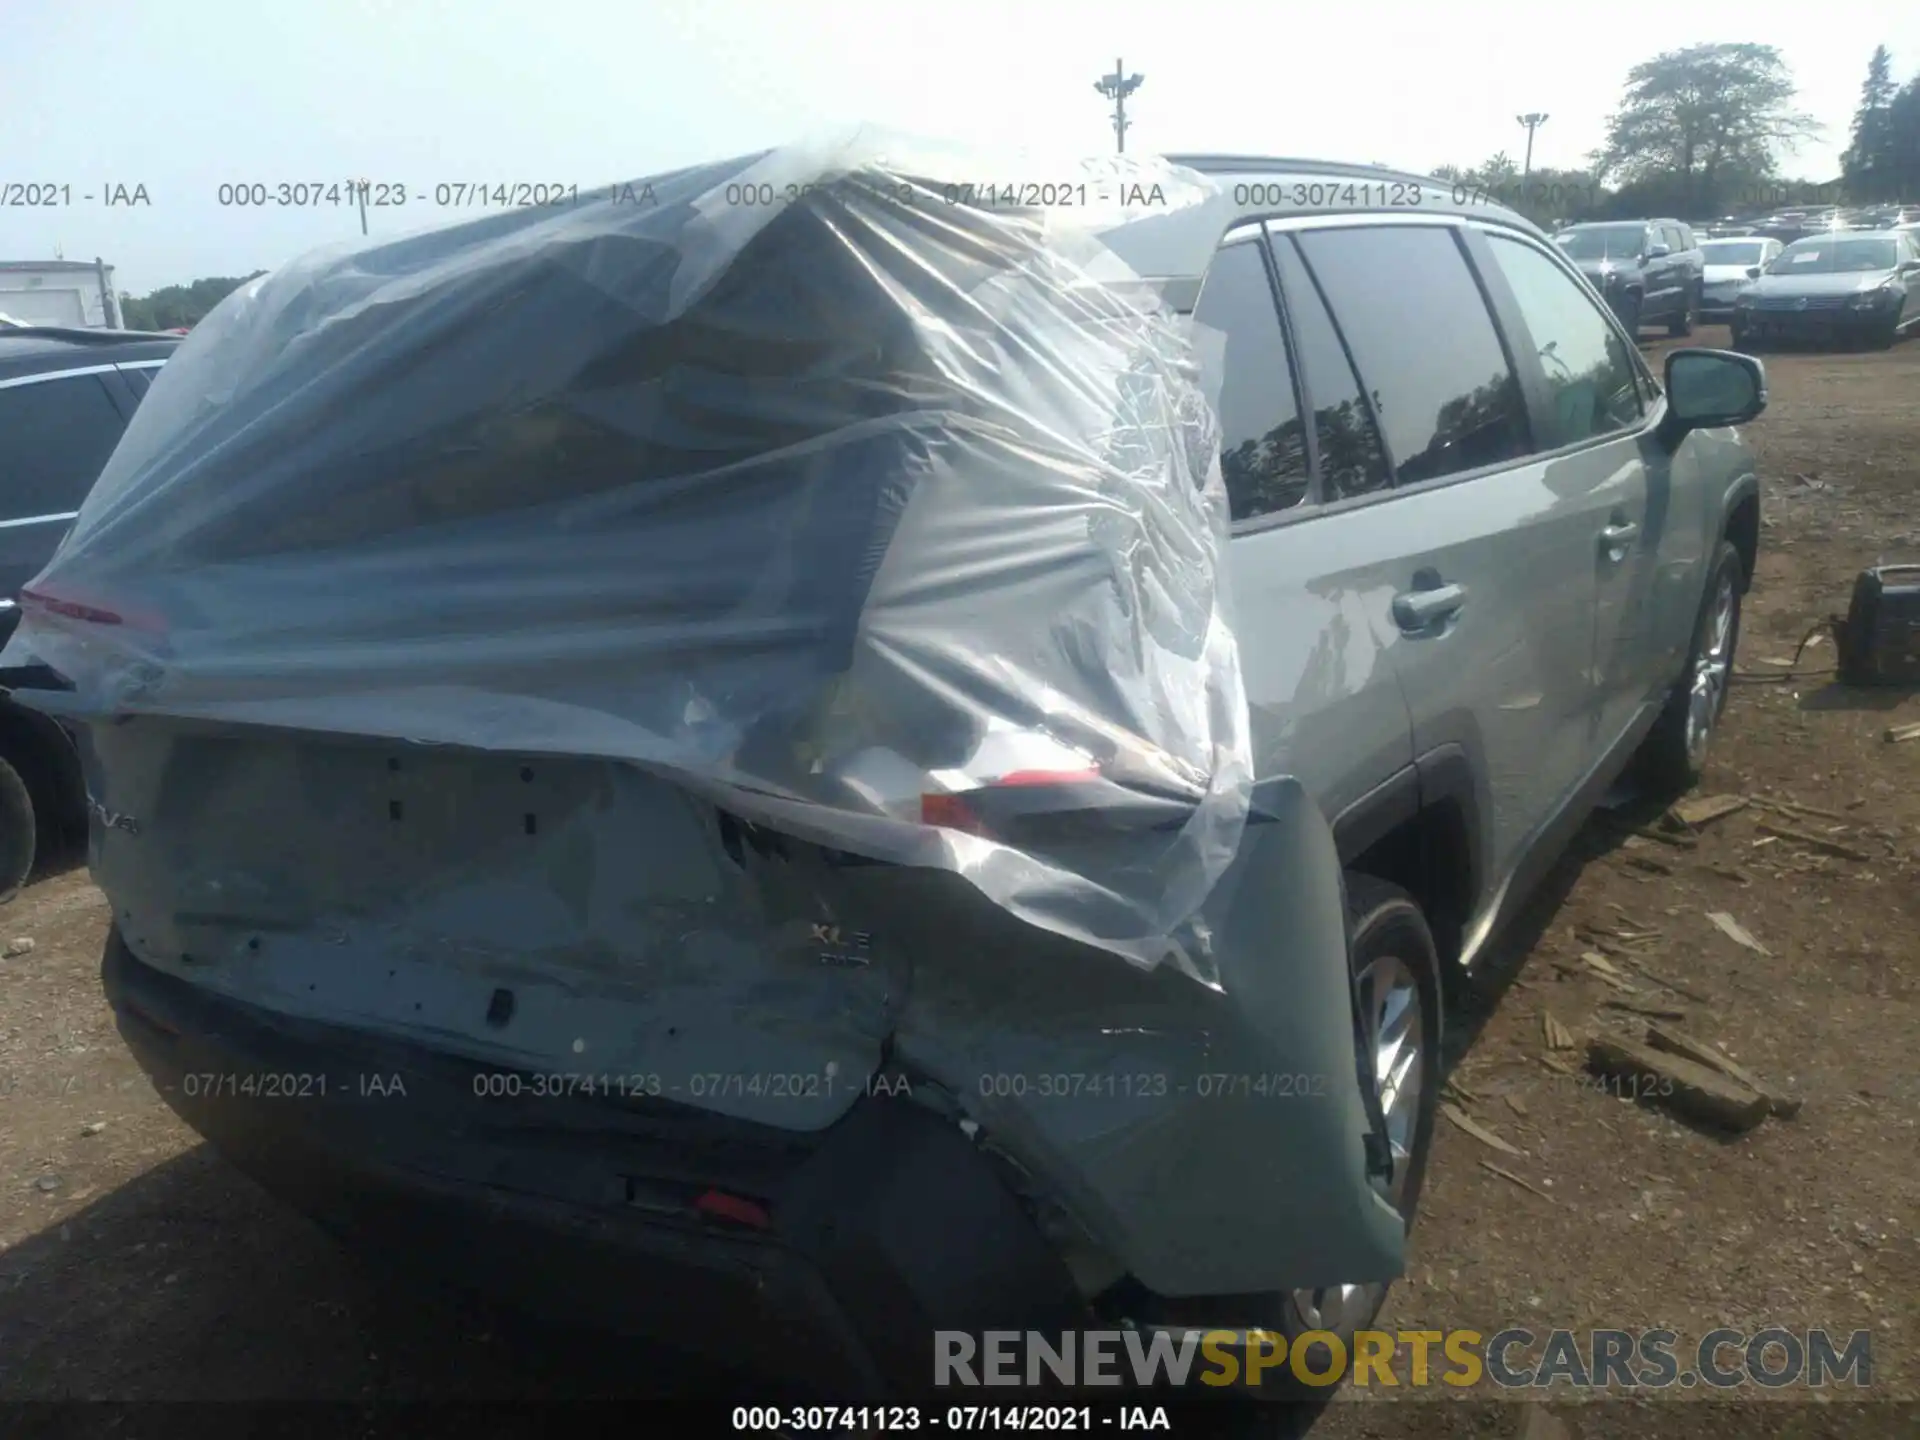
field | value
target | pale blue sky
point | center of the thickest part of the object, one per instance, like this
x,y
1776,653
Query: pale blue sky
x,y
180,95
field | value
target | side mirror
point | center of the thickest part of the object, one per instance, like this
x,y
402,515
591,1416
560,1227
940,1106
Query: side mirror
x,y
1753,272
1907,267
1710,388
1657,251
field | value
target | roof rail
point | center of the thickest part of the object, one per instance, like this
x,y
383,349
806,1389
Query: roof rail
x,y
80,335
1231,164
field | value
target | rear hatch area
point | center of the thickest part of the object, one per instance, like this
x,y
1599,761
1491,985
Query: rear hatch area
x,y
574,919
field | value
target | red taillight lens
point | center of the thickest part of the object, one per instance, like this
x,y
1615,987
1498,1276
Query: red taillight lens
x,y
722,1206
950,812
1044,777
72,609
90,612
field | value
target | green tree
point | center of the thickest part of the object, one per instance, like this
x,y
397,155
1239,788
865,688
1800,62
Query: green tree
x,y
1700,127
1903,144
177,307
1869,161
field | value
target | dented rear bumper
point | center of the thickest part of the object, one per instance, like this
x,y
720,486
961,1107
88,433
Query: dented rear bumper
x,y
889,1224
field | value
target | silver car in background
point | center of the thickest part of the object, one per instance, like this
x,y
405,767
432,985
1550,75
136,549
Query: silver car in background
x,y
1858,285
1732,262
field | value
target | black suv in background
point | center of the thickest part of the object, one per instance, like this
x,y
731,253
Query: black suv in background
x,y
65,398
1649,270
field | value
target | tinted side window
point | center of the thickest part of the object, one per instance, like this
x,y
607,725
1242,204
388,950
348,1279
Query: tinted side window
x,y
138,380
1263,451
1352,460
1585,363
1425,345
59,434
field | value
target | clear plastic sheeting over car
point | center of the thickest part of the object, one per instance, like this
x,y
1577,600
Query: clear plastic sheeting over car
x,y
823,482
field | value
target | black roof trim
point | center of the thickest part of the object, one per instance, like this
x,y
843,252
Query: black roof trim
x,y
78,335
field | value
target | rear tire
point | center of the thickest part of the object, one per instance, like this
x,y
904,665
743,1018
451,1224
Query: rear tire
x,y
18,833
1674,753
1682,324
1630,316
1393,956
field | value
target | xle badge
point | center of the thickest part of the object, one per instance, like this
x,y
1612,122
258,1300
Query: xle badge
x,y
112,819
843,947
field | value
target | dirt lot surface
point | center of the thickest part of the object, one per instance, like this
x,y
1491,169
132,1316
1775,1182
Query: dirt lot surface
x,y
134,1265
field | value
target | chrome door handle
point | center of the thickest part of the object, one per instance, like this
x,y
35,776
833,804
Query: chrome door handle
x,y
1419,609
1619,534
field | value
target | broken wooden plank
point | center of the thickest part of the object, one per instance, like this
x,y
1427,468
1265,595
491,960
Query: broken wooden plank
x,y
1599,962
1676,1042
1679,842
1729,872
1509,1175
1649,1012
1557,1036
1516,1104
1735,931
1696,811
1648,864
1473,1127
1677,1083
1794,807
1557,1065
1671,984
1896,733
1815,842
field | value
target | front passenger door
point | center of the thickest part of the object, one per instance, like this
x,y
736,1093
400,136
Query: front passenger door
x,y
1648,536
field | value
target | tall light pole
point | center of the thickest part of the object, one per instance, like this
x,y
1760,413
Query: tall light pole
x,y
1533,120
1117,87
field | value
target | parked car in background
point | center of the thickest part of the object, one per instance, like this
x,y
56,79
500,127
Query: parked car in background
x,y
1650,271
1858,286
1731,264
65,397
1482,560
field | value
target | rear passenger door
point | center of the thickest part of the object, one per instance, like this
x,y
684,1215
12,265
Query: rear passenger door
x,y
1311,587
58,430
1486,554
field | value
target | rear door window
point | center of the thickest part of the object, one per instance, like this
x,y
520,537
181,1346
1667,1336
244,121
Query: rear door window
x,y
1352,459
58,435
1262,447
1425,346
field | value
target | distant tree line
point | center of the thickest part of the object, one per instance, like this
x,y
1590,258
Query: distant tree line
x,y
178,307
1883,160
1700,133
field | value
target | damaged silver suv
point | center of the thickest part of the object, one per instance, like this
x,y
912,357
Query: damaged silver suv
x,y
803,751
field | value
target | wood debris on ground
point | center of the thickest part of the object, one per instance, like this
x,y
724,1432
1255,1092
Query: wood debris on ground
x,y
1646,1012
1509,1175
1676,1042
1896,733
1676,1083
1557,1036
1466,1122
1668,983
1816,842
1735,931
1699,810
